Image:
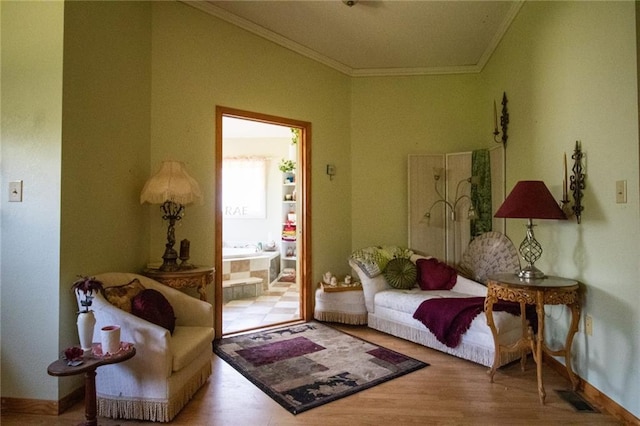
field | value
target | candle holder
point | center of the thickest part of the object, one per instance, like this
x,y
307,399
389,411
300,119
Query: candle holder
x,y
184,255
576,185
577,181
565,204
504,121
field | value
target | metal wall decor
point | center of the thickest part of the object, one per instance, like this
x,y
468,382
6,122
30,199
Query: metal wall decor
x,y
504,121
577,180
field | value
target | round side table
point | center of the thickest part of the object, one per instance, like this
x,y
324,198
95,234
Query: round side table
x,y
538,292
90,363
198,277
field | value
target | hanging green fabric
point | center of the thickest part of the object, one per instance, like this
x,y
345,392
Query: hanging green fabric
x,y
481,192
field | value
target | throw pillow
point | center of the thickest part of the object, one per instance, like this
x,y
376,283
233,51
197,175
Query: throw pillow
x,y
401,273
152,306
121,296
435,275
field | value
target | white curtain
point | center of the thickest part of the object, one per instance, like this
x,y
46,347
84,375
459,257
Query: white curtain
x,y
244,188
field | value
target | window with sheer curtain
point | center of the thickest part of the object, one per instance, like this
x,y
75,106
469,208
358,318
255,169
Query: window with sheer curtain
x,y
244,188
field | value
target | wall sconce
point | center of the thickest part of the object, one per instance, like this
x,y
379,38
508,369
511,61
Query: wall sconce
x,y
471,214
504,121
577,184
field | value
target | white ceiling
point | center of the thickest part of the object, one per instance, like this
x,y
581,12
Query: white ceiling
x,y
381,37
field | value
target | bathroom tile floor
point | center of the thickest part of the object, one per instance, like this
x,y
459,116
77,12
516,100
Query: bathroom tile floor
x,y
280,303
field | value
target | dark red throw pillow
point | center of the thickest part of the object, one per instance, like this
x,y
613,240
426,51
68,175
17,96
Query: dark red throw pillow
x,y
435,275
152,306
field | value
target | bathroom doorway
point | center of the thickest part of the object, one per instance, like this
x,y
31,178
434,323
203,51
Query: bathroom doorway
x,y
262,200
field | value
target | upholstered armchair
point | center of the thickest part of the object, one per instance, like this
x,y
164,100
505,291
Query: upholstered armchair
x,y
167,369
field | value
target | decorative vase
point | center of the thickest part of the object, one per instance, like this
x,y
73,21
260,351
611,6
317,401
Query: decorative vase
x,y
86,323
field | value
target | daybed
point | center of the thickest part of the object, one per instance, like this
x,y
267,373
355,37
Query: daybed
x,y
169,367
391,310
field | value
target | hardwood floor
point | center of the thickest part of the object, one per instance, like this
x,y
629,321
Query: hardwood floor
x,y
450,391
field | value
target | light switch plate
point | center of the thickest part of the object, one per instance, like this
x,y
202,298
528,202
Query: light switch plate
x,y
621,191
15,191
331,169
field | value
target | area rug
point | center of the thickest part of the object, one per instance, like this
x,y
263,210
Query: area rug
x,y
308,365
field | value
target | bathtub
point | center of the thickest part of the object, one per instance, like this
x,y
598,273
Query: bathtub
x,y
242,252
242,265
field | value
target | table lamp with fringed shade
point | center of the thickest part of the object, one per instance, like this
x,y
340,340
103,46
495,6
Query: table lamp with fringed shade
x,y
530,199
172,188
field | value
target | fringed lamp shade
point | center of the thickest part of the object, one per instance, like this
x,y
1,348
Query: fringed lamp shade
x,y
172,187
530,199
171,183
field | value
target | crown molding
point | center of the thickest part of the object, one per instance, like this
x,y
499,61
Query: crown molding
x,y
268,35
247,25
502,30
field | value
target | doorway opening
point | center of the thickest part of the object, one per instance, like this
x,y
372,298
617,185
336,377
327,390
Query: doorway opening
x,y
262,227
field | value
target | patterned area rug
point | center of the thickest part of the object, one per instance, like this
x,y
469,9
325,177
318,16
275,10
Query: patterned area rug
x,y
304,366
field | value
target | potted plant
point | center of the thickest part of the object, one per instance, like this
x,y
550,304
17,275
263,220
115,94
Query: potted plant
x,y
88,286
287,166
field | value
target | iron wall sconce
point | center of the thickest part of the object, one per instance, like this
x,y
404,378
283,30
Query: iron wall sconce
x,y
504,121
576,184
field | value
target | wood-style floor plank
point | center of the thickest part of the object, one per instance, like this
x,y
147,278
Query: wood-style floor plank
x,y
450,391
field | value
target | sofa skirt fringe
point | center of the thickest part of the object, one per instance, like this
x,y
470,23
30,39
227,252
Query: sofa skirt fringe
x,y
153,410
478,354
341,317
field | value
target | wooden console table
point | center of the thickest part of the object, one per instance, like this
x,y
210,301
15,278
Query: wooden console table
x,y
198,277
538,292
90,363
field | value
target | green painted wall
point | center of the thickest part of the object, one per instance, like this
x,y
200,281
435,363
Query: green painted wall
x,y
393,117
200,62
569,70
105,147
75,128
31,149
141,82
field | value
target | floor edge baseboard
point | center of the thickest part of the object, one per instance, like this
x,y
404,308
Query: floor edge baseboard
x,y
41,406
593,395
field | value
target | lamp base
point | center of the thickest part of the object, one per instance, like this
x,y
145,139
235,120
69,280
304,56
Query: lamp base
x,y
171,212
530,272
170,263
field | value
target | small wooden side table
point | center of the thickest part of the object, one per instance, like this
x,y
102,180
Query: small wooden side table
x,y
198,277
538,292
89,365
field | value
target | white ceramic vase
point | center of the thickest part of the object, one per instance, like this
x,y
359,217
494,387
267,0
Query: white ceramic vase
x,y
86,323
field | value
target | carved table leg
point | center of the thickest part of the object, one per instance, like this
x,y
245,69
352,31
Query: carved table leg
x,y
488,309
202,290
539,344
525,329
575,317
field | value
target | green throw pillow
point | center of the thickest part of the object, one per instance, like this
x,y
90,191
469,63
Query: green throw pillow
x,y
401,273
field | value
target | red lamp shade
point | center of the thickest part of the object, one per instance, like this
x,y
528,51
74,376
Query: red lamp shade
x,y
530,199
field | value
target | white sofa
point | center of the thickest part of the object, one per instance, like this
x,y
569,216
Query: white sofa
x,y
167,369
391,310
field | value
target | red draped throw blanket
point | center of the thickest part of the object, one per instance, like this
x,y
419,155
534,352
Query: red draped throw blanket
x,y
448,318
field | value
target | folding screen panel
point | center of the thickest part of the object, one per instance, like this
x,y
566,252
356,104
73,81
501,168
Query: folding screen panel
x,y
425,236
